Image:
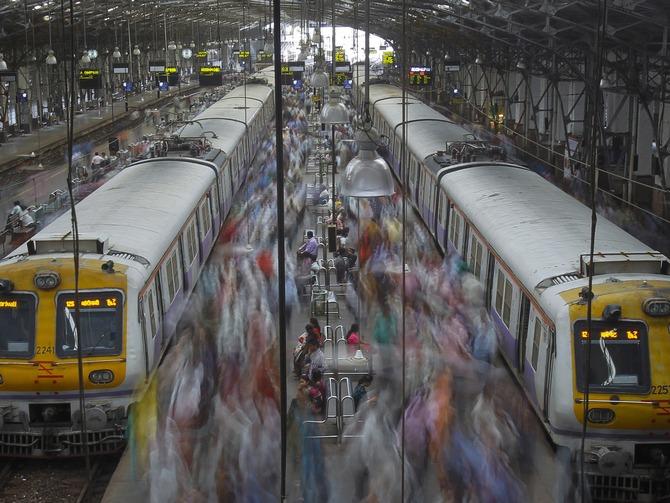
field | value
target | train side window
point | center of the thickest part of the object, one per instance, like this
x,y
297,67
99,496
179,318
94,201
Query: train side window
x,y
205,218
443,209
190,242
475,258
214,193
455,228
504,298
172,273
537,335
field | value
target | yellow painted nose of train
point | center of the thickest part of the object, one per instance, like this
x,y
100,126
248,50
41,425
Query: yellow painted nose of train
x,y
44,362
629,356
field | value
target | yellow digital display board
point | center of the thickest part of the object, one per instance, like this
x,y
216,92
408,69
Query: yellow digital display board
x,y
170,69
244,54
613,334
339,56
286,70
93,302
89,73
388,57
210,70
201,54
9,304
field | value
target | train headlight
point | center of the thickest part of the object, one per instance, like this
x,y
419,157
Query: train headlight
x,y
101,376
46,280
600,416
6,285
2,381
656,307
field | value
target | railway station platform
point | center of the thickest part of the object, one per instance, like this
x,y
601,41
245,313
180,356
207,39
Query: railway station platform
x,y
18,150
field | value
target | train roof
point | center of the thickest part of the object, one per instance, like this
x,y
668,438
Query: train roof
x,y
428,131
226,117
537,229
140,210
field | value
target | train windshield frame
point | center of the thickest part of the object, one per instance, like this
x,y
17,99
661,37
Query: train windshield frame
x,y
619,356
100,322
17,325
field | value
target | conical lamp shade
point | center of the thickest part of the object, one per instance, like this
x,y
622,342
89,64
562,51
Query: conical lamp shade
x,y
319,79
367,174
334,112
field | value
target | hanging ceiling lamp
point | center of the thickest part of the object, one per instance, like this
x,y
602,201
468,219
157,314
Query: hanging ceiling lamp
x,y
172,46
192,44
3,63
334,112
136,51
51,58
116,54
319,78
367,174
85,60
92,54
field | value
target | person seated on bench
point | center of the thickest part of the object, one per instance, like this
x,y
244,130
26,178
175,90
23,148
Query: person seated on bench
x,y
317,393
310,248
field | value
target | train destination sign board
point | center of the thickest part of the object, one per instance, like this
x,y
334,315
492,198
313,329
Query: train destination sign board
x,y
90,78
420,76
210,76
157,66
120,68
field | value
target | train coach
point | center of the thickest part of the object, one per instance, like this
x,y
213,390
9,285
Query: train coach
x,y
528,243
144,237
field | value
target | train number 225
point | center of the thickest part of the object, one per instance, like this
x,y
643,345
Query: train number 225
x,y
660,389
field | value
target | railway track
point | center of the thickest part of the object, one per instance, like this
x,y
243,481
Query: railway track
x,y
55,481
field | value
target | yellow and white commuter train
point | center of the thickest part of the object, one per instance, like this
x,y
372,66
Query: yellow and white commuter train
x,y
144,237
527,242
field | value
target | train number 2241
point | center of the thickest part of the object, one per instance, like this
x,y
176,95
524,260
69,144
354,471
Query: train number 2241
x,y
48,350
661,389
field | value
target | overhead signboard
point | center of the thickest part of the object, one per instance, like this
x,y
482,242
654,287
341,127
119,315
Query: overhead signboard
x,y
265,57
452,66
388,58
420,76
172,74
90,78
341,78
292,71
7,76
340,57
210,76
201,54
244,54
157,66
120,68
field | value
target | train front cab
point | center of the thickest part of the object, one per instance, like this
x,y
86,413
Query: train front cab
x,y
39,380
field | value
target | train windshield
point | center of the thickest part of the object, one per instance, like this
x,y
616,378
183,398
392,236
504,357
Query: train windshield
x,y
17,325
619,356
100,324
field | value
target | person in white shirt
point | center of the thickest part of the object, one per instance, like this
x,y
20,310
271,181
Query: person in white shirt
x,y
96,161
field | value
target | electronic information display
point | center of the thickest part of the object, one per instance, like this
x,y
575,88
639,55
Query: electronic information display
x,y
420,76
388,57
201,54
210,76
157,66
90,78
120,68
172,74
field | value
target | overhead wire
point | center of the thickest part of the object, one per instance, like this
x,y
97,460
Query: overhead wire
x,y
404,185
69,116
595,123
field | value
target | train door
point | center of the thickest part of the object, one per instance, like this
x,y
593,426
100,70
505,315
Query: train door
x,y
151,326
538,348
503,301
522,332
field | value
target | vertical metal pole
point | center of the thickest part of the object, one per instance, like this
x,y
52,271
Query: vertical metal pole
x,y
130,61
366,104
281,256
